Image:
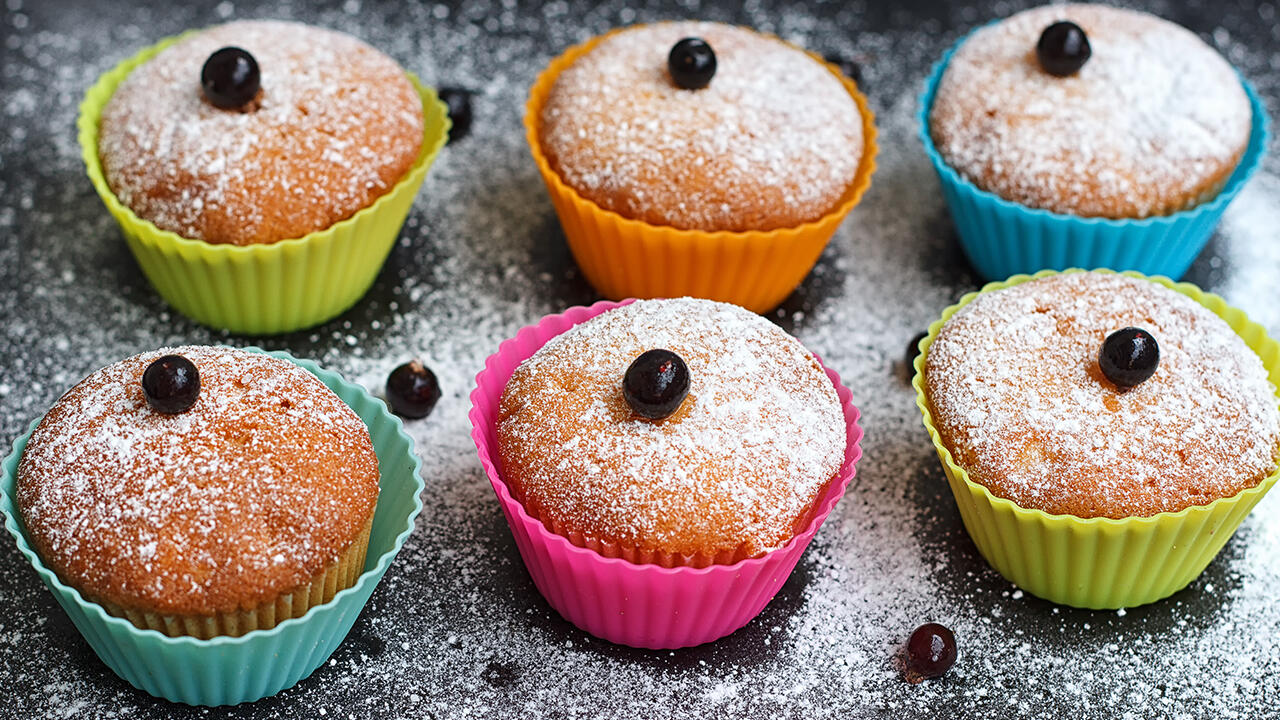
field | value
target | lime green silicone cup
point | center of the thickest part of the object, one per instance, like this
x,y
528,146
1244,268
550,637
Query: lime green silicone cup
x,y
1099,563
229,670
270,288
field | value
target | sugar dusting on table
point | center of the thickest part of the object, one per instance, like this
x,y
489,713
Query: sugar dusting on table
x,y
456,629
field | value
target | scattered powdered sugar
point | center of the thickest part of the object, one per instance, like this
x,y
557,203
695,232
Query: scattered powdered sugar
x,y
335,125
1020,400
197,512
773,141
456,627
1153,122
735,467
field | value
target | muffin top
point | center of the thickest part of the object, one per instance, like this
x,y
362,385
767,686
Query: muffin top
x,y
774,140
335,125
732,471
1154,122
248,494
1020,400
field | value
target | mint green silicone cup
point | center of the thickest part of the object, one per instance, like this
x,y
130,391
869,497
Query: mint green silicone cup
x,y
227,670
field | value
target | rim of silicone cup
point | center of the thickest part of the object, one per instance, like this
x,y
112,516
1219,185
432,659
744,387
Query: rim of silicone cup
x,y
434,113
328,377
1210,301
541,88
839,481
1255,149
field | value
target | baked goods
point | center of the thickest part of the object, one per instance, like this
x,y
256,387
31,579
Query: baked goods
x,y
724,187
335,125
248,508
1153,122
1021,402
733,472
657,598
773,140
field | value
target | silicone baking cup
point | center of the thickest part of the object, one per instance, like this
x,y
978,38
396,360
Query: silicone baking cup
x,y
267,288
229,670
1099,563
1002,238
638,604
623,258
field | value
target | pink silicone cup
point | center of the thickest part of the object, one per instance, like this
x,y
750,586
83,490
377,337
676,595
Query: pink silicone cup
x,y
641,605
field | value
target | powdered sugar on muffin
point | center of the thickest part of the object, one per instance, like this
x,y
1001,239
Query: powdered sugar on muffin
x,y
1154,122
1020,401
774,140
246,495
336,125
734,469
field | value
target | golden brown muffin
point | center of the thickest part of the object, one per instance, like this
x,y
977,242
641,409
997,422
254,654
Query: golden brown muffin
x,y
237,514
335,126
773,141
1020,400
730,474
1153,123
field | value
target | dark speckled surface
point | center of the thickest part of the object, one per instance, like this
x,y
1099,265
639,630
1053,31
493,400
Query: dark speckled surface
x,y
456,629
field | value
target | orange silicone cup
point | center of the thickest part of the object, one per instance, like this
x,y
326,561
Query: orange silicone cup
x,y
623,258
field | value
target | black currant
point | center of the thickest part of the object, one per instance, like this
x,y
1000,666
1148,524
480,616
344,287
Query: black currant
x,y
931,651
656,383
913,348
1129,356
412,390
459,102
848,66
1063,48
171,384
230,78
692,63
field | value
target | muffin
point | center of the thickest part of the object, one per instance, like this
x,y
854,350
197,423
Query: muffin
x,y
730,474
662,464
333,125
201,491
1056,130
1153,122
701,146
1020,399
260,171
773,139
1103,434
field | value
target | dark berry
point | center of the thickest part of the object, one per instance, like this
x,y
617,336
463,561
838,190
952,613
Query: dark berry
x,y
692,63
1063,48
913,349
230,78
656,383
931,651
171,384
848,66
1129,356
459,102
412,390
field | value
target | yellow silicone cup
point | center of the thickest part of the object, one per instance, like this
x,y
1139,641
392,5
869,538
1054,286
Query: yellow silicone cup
x,y
1099,563
269,288
625,258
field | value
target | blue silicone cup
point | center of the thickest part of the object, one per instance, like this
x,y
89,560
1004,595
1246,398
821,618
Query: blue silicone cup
x,y
229,670
1003,238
